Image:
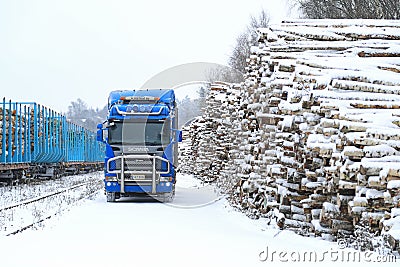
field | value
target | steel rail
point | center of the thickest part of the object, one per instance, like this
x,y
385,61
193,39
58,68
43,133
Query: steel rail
x,y
23,228
32,200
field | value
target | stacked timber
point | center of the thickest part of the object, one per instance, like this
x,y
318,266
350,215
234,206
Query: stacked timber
x,y
314,130
334,120
206,144
14,129
186,149
20,124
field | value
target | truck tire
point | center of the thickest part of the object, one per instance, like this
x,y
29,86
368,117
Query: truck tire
x,y
110,196
168,197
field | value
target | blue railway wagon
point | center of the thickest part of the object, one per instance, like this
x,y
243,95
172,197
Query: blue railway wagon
x,y
34,135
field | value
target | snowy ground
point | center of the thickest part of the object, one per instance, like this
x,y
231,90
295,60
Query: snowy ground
x,y
197,229
21,192
13,219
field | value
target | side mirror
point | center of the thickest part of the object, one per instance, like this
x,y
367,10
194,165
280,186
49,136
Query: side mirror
x,y
100,133
179,135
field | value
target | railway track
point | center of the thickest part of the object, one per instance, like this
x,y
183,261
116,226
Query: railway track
x,y
20,216
41,197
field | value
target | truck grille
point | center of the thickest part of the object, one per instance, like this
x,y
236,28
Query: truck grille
x,y
138,164
141,164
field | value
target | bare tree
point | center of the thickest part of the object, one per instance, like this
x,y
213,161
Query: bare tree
x,y
201,102
241,50
224,74
188,109
80,114
77,107
262,21
350,9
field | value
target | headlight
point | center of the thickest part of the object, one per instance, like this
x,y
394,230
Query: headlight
x,y
165,178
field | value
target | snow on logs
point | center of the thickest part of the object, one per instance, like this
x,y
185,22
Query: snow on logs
x,y
313,131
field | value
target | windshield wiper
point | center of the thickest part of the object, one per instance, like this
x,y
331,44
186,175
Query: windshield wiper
x,y
153,144
133,144
115,143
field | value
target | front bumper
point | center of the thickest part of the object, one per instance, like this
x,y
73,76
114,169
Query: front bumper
x,y
162,187
123,171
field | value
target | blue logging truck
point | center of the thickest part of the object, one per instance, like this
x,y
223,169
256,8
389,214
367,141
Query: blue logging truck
x,y
141,139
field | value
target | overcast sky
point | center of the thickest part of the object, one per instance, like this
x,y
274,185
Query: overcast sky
x,y
53,52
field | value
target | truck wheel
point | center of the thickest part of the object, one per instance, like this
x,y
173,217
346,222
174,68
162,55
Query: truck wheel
x,y
168,197
110,196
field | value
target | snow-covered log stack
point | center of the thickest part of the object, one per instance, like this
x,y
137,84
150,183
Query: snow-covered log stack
x,y
317,128
334,96
208,139
186,149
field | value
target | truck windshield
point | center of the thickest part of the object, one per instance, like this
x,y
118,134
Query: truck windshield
x,y
140,133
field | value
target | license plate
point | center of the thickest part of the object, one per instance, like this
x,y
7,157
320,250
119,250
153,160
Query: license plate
x,y
138,177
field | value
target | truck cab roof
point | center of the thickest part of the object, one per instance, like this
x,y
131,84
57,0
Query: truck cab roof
x,y
166,96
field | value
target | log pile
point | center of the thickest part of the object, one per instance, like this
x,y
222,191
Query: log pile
x,y
206,145
313,131
14,126
19,126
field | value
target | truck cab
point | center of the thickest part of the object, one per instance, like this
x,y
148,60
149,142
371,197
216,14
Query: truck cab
x,y
141,139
